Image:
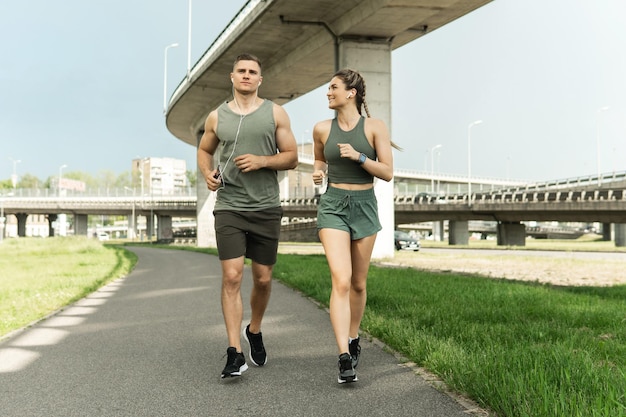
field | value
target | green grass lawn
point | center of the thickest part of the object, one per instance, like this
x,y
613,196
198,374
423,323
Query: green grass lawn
x,y
39,276
518,349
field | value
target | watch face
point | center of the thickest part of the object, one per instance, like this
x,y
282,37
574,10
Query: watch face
x,y
362,158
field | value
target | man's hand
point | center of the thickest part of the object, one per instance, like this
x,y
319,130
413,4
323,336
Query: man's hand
x,y
214,180
249,162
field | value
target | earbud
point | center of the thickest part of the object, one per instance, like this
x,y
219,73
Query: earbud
x,y
232,80
349,95
259,82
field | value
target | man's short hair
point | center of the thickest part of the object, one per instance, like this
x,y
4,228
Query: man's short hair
x,y
248,57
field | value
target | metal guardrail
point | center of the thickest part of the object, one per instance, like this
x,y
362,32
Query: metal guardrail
x,y
593,181
518,197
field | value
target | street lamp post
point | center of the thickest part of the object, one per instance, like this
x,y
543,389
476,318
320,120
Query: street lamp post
x,y
60,176
469,159
189,42
600,110
14,175
432,167
174,45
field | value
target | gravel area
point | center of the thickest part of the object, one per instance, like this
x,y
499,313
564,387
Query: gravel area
x,y
551,267
557,268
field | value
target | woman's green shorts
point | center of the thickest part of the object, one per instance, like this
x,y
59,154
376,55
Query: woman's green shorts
x,y
355,212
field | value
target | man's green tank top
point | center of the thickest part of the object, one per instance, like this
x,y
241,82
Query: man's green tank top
x,y
255,190
344,170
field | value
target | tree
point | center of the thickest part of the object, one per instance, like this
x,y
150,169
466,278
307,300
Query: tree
x,y
29,181
191,178
6,185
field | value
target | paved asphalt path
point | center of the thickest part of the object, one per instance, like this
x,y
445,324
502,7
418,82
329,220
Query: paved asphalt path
x,y
154,344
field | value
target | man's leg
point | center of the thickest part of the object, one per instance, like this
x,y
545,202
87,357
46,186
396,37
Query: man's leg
x,y
232,307
260,296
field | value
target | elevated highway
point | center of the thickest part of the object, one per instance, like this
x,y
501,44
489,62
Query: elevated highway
x,y
301,44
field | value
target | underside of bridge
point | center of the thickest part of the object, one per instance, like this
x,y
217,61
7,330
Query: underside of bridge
x,y
301,44
297,42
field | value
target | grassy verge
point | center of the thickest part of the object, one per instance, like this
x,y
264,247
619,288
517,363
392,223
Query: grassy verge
x,y
516,348
39,276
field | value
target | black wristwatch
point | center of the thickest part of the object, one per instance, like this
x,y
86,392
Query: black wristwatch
x,y
362,158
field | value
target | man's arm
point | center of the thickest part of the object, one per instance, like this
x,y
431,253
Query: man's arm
x,y
206,150
287,158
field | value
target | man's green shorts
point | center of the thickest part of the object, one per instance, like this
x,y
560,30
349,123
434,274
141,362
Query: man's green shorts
x,y
253,234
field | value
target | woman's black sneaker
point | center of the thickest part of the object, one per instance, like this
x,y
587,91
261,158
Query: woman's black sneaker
x,y
235,364
346,370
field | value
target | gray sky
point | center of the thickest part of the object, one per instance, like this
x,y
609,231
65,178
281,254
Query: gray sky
x,y
81,83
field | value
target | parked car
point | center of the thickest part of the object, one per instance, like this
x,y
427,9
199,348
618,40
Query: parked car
x,y
103,236
404,241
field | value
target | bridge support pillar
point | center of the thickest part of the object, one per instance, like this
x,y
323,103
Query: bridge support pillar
x,y
51,219
21,224
150,227
511,234
606,232
620,234
458,232
164,229
80,224
132,226
438,231
372,58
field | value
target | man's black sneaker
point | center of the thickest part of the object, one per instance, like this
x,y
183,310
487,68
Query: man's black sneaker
x,y
235,364
355,351
258,356
346,371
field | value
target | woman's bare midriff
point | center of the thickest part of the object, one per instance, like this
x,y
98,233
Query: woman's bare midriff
x,y
351,187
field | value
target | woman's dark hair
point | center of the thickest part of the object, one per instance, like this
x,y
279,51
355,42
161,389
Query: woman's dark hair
x,y
352,79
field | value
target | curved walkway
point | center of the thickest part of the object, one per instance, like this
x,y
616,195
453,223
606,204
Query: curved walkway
x,y
153,344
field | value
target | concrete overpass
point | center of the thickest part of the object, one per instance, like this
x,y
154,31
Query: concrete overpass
x,y
301,44
509,209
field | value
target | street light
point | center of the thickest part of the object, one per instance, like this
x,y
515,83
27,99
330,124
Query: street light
x,y
189,42
432,167
600,110
14,176
469,159
60,176
174,45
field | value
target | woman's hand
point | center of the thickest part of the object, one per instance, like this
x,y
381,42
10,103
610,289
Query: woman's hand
x,y
347,151
318,177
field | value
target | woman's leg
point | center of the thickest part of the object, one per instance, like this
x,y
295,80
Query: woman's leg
x,y
338,254
361,253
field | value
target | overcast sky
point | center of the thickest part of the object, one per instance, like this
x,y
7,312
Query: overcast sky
x,y
81,83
